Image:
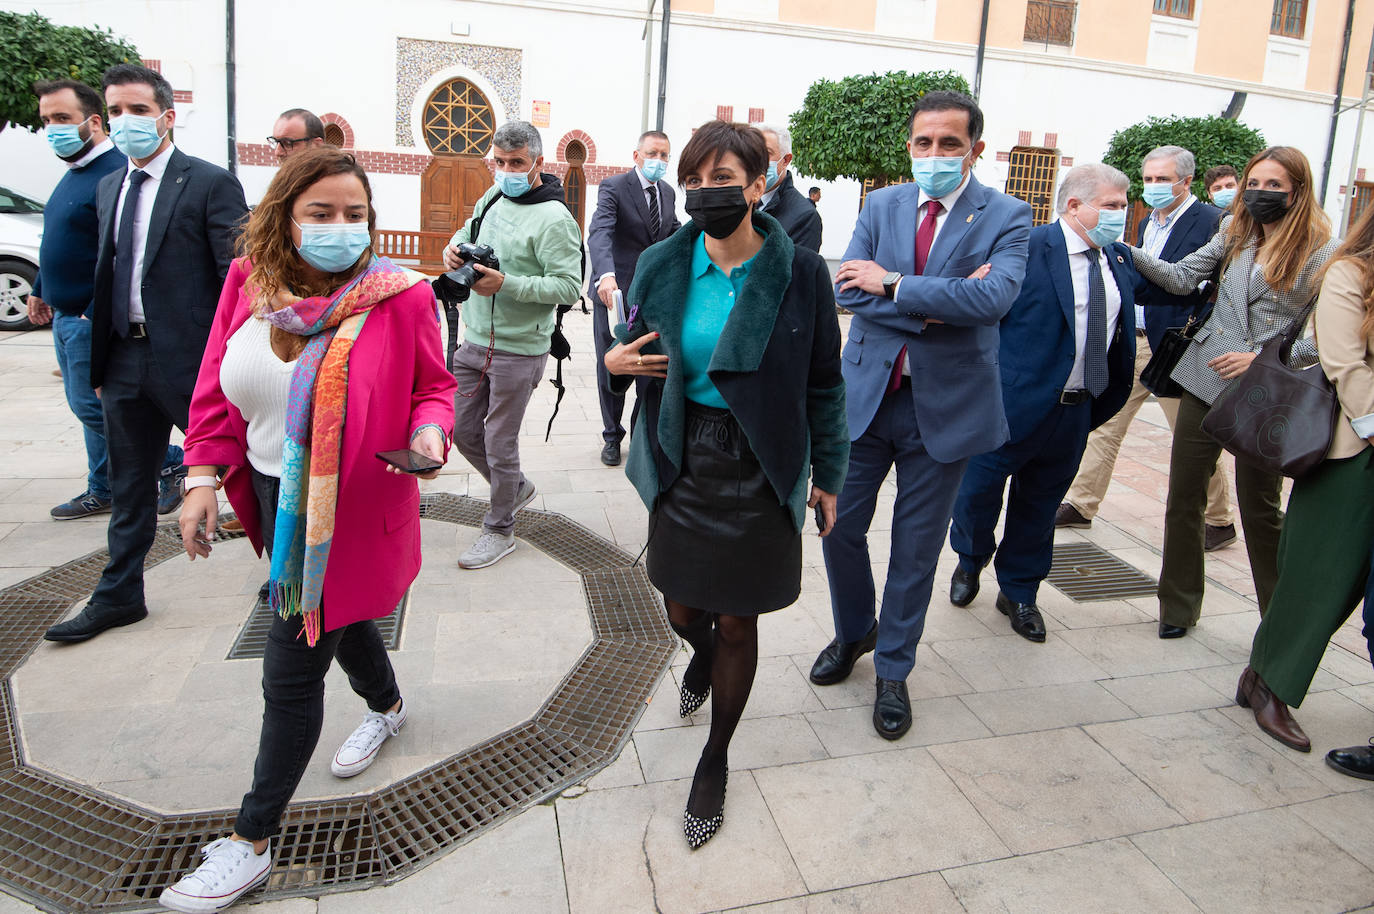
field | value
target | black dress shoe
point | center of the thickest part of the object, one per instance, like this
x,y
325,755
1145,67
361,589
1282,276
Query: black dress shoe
x,y
1171,631
835,663
610,453
1025,618
94,619
963,587
1356,761
891,709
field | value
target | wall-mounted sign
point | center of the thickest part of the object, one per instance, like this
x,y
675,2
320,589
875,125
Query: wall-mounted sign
x,y
539,115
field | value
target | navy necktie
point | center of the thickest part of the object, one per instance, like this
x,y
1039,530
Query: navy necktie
x,y
655,219
1095,347
124,254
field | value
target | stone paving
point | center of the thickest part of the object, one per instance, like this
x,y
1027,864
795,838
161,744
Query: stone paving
x,y
1104,770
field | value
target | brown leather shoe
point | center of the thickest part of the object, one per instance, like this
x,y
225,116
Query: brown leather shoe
x,y
1271,714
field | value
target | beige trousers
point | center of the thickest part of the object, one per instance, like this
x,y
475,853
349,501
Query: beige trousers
x,y
1104,443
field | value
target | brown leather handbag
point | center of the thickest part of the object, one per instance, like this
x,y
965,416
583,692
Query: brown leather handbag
x,y
1274,416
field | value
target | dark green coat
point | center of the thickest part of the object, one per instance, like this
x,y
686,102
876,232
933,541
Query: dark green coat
x,y
777,365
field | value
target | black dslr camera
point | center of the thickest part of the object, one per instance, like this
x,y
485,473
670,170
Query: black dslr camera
x,y
455,286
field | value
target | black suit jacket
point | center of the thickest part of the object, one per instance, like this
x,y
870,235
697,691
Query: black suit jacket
x,y
196,218
1196,225
797,214
619,232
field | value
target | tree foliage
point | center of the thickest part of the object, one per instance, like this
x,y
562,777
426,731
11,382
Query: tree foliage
x,y
32,49
857,127
1212,140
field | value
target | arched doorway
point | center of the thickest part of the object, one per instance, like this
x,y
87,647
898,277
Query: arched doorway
x,y
575,182
458,126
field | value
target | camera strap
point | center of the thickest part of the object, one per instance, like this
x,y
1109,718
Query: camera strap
x,y
451,310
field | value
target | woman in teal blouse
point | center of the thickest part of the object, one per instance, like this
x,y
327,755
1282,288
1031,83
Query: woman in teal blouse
x,y
740,431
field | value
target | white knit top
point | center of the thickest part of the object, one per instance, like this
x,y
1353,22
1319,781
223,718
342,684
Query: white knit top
x,y
258,383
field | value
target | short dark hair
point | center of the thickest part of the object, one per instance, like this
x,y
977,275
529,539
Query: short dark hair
x,y
713,139
123,74
945,100
314,127
656,134
1216,173
90,101
814,190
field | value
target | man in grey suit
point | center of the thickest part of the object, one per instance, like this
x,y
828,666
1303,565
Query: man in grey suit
x,y
167,229
932,269
633,211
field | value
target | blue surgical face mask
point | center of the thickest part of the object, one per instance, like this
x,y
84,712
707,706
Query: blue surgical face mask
x,y
1224,197
771,175
1158,196
937,175
513,183
65,139
1110,224
333,247
136,135
654,169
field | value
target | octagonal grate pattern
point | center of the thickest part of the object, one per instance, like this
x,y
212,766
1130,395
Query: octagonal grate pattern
x,y
69,847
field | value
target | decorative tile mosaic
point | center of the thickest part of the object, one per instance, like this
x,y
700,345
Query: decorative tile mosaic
x,y
418,60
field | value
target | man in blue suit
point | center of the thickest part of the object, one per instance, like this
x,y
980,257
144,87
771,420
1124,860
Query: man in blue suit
x,y
930,272
1068,363
1178,225
633,210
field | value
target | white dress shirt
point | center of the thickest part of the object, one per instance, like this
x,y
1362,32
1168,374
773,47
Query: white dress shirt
x,y
147,194
95,152
1078,270
1157,232
646,187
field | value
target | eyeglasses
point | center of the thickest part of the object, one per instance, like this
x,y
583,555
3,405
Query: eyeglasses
x,y
286,142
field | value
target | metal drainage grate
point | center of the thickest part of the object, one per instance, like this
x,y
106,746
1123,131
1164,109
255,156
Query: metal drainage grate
x,y
252,639
1085,572
66,846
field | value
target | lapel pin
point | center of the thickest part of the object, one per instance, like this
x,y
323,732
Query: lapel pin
x,y
1120,259
179,180
970,218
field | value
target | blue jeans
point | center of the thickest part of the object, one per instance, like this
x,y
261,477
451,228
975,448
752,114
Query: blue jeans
x,y
71,337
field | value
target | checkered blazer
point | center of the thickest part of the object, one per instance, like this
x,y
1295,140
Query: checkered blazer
x,y
1248,312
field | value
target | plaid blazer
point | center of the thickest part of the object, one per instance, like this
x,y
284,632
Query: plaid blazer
x,y
1248,312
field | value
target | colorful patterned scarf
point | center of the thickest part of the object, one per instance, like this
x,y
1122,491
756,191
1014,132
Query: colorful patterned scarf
x,y
314,431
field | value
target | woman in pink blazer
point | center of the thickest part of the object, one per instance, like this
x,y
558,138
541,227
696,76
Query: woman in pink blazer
x,y
321,355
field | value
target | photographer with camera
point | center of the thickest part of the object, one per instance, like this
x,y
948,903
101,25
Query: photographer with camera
x,y
515,260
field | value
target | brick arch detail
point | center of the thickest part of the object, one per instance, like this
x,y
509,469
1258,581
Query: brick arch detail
x,y
338,120
580,137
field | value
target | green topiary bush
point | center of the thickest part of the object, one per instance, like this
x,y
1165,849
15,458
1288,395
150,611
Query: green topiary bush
x,y
1213,140
33,49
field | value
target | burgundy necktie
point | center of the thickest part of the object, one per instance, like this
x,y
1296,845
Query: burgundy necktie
x,y
925,236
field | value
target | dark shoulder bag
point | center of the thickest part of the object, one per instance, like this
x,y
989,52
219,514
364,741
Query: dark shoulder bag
x,y
1276,417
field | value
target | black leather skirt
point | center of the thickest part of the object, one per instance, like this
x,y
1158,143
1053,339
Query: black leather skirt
x,y
718,539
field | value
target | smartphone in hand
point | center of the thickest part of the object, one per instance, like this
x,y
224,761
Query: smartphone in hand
x,y
408,461
820,518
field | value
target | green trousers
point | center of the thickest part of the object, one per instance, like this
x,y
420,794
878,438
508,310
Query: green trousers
x,y
1258,495
1323,567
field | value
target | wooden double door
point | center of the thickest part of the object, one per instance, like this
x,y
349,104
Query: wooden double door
x,y
458,128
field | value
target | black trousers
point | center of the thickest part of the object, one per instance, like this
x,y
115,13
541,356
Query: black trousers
x,y
612,403
140,407
293,694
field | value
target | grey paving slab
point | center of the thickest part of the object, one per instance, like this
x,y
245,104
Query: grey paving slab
x,y
1330,721
759,743
515,868
1133,650
623,850
1269,860
1165,693
1345,820
1205,765
849,731
1012,662
1045,790
1101,876
902,816
927,893
1046,707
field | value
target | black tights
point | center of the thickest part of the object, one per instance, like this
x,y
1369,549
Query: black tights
x,y
730,648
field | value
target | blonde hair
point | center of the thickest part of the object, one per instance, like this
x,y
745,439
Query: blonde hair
x,y
1303,229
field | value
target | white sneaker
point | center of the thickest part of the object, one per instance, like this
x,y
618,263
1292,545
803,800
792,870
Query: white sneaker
x,y
358,751
230,869
524,495
489,549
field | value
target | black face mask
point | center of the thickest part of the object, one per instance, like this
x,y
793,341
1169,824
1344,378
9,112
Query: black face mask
x,y
1266,206
718,210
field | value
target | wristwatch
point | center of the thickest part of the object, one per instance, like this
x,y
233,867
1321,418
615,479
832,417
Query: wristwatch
x,y
890,283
